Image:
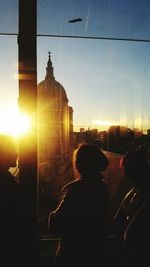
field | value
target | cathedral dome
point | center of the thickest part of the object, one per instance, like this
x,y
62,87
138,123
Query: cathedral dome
x,y
50,87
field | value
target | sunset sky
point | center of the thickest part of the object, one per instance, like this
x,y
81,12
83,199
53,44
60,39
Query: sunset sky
x,y
107,81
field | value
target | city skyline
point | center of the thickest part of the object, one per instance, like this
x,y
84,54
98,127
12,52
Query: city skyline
x,y
114,99
106,81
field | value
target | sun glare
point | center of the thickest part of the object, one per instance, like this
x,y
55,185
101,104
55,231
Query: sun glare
x,y
101,124
14,123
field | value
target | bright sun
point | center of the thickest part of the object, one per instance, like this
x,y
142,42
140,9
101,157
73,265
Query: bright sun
x,y
13,122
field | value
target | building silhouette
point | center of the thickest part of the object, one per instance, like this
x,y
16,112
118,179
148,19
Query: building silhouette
x,y
55,118
55,131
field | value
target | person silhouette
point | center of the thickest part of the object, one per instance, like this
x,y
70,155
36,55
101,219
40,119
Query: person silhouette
x,y
81,218
9,204
131,221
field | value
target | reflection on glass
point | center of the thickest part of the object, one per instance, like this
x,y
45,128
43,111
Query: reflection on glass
x,y
102,97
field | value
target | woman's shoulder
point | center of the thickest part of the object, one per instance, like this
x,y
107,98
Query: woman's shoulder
x,y
71,186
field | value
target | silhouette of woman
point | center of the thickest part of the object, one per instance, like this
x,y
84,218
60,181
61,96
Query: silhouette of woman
x,y
81,218
131,221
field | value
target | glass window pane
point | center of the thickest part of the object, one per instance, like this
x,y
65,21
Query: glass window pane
x,y
95,18
102,79
100,87
9,84
9,66
9,16
107,87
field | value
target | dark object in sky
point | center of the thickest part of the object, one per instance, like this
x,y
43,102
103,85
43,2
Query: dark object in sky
x,y
75,20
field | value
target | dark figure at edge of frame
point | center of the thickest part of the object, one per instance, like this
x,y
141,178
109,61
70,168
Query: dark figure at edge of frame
x,y
10,216
81,219
132,220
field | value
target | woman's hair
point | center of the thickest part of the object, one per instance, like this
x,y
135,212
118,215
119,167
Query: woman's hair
x,y
136,164
90,160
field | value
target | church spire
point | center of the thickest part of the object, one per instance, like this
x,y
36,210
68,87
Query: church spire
x,y
49,69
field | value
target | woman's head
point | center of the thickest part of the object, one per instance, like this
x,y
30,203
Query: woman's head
x,y
90,160
136,165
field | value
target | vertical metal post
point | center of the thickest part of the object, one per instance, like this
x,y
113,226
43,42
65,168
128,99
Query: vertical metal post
x,y
28,105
